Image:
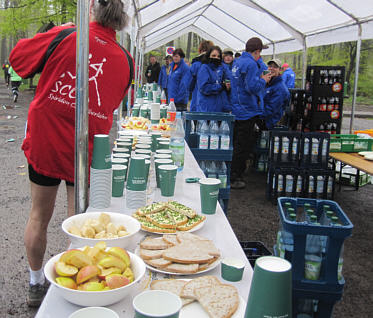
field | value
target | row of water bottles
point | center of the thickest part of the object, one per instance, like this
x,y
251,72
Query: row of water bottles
x,y
211,135
216,170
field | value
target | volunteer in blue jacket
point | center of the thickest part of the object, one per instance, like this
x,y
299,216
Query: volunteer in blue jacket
x,y
288,76
276,95
163,75
213,81
248,84
203,47
178,81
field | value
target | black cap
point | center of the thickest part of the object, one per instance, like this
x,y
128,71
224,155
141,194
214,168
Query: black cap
x,y
228,51
254,44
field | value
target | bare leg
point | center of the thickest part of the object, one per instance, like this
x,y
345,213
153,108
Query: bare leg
x,y
70,200
35,238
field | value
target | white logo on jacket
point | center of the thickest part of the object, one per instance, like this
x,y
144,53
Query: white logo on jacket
x,y
64,89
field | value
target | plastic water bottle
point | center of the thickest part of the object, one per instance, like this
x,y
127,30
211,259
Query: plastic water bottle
x,y
294,149
204,136
171,111
163,98
306,149
334,222
177,145
222,174
287,237
285,149
299,186
211,170
214,135
324,151
305,308
224,135
202,165
313,254
315,150
276,148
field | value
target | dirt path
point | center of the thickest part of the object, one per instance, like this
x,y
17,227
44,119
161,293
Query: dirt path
x,y
251,216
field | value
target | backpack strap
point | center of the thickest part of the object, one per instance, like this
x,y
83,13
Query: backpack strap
x,y
130,65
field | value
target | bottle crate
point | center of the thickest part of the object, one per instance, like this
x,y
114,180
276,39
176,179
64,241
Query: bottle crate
x,y
350,143
284,148
253,250
314,152
319,183
328,281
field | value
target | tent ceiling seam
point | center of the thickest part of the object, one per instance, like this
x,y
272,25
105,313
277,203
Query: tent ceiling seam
x,y
211,2
148,5
344,11
200,31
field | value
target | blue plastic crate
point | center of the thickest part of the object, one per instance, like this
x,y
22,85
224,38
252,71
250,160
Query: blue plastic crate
x,y
328,281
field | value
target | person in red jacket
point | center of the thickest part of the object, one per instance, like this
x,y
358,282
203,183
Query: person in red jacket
x,y
50,136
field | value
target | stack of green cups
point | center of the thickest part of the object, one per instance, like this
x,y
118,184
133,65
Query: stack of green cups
x,y
101,157
160,140
121,150
167,179
119,177
136,183
157,163
155,135
122,155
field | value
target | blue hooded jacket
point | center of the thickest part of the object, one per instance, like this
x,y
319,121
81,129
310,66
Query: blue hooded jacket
x,y
178,82
276,99
196,64
289,78
247,87
162,79
212,97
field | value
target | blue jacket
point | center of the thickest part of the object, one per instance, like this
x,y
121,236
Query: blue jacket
x,y
178,83
162,79
196,64
276,99
212,97
289,78
247,88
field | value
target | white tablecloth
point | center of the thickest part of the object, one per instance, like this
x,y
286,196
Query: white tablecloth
x,y
216,228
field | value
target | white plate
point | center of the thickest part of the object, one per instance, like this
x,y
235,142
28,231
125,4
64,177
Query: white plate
x,y
369,157
209,268
195,310
196,228
364,153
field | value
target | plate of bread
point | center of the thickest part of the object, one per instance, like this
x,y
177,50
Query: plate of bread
x,y
168,217
204,297
179,254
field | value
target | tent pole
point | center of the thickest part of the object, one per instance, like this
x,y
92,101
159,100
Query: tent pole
x,y
122,35
132,87
358,47
304,63
274,51
137,64
81,110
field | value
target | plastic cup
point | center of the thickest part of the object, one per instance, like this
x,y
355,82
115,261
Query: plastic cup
x,y
167,179
157,304
164,145
209,192
101,157
136,174
155,112
119,177
271,289
157,163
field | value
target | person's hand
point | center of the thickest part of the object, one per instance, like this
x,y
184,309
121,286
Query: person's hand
x,y
68,24
267,77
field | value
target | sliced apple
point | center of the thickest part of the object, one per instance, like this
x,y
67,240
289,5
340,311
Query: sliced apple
x,y
86,273
93,286
64,269
116,280
112,261
108,271
67,282
101,246
129,274
120,253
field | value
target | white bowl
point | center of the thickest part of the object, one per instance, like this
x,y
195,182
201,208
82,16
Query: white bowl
x,y
94,312
95,298
131,224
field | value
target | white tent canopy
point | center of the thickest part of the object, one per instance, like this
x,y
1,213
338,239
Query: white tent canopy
x,y
285,25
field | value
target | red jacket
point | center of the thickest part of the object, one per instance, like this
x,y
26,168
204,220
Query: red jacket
x,y
50,135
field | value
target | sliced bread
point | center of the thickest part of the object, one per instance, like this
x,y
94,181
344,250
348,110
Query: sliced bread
x,y
188,289
158,262
172,285
187,253
185,236
219,301
170,239
154,244
208,247
181,208
191,223
182,268
150,254
161,219
151,208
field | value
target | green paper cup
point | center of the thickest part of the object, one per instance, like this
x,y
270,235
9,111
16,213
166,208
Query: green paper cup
x,y
122,155
209,192
157,163
163,112
155,135
144,146
143,152
119,161
147,168
157,304
119,177
121,150
232,269
136,180
167,179
142,155
271,289
162,156
144,112
164,145
164,151
135,112
101,157
123,144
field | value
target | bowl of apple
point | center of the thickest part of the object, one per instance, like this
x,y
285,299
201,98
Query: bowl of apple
x,y
95,276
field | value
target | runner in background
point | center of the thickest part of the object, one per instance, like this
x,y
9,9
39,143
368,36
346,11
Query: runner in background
x,y
15,81
5,68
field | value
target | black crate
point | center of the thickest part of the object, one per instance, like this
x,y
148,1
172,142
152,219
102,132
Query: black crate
x,y
253,250
284,149
285,182
314,150
327,80
322,186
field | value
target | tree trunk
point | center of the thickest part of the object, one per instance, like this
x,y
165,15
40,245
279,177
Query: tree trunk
x,y
351,64
189,44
